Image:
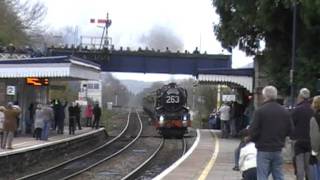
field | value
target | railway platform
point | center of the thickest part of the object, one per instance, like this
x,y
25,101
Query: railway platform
x,y
210,158
27,142
28,152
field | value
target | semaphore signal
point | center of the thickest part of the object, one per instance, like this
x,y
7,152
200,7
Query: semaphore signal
x,y
105,39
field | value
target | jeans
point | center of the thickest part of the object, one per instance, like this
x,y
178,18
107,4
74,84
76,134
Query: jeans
x,y
302,165
315,171
8,138
269,163
45,131
225,128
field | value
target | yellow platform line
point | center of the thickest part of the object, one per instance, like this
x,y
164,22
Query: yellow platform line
x,y
210,164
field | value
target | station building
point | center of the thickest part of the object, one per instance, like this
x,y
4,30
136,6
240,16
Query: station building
x,y
90,90
25,80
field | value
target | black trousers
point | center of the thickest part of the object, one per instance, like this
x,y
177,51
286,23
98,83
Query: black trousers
x,y
78,122
72,126
38,132
250,174
96,122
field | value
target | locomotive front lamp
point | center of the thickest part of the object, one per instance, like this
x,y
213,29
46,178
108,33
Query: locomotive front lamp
x,y
161,120
185,117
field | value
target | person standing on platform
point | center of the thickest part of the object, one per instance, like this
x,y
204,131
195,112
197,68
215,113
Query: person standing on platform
x,y
224,112
96,116
61,116
48,117
301,116
89,114
270,127
11,114
77,113
31,109
16,104
315,139
1,125
55,106
39,121
72,118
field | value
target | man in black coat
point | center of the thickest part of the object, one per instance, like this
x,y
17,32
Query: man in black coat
x,y
301,116
96,116
78,114
72,118
270,126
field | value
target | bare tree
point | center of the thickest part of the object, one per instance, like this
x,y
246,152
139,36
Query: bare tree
x,y
31,14
19,19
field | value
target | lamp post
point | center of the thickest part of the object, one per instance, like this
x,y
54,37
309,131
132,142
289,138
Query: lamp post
x,y
293,51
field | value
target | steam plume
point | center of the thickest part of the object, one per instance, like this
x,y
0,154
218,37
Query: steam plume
x,y
161,37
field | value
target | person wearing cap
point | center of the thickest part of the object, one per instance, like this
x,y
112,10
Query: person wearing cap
x,y
301,116
11,114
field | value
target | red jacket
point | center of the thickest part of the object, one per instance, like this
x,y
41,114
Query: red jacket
x,y
89,111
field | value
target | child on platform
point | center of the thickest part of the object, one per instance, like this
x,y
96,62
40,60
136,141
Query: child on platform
x,y
248,159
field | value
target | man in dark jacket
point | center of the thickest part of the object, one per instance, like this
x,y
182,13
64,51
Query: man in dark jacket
x,y
301,116
78,114
72,118
270,127
96,116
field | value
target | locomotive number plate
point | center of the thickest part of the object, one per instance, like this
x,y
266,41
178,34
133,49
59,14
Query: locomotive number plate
x,y
172,99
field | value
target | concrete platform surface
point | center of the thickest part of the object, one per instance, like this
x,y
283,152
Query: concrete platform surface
x,y
27,142
213,158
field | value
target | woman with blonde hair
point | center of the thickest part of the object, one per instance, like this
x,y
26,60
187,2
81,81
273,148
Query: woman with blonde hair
x,y
315,139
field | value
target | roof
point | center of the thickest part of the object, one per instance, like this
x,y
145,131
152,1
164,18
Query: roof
x,y
241,77
55,66
228,71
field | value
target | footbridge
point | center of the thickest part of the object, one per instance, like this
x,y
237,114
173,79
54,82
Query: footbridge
x,y
207,68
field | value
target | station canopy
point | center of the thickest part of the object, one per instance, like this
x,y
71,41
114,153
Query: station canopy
x,y
50,67
232,77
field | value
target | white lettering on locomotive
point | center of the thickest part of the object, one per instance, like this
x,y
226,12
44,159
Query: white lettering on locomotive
x,y
172,99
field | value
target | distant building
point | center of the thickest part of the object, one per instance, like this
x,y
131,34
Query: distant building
x,y
90,91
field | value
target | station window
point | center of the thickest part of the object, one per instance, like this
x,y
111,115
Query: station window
x,y
96,86
93,86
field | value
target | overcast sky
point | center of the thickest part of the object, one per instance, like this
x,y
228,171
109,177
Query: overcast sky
x,y
191,21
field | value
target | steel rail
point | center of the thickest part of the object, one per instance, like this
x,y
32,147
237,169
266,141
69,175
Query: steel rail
x,y
184,145
142,165
80,156
112,155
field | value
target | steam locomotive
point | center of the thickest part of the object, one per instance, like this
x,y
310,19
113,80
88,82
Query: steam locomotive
x,y
171,113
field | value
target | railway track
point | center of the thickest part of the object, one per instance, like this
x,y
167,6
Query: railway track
x,y
84,162
159,160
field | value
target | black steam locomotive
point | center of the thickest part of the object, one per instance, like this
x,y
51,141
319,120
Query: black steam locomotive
x,y
172,117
